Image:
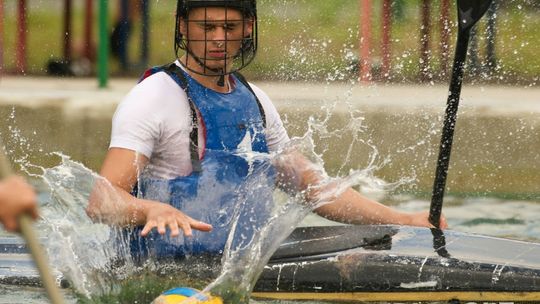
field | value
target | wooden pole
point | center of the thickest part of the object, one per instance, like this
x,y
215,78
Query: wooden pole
x,y
424,40
21,37
145,41
1,38
444,27
124,28
386,29
88,32
365,41
66,37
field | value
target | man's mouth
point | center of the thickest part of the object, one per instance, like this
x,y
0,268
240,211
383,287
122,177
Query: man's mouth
x,y
217,54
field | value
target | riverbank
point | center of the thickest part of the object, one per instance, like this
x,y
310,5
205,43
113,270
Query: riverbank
x,y
83,94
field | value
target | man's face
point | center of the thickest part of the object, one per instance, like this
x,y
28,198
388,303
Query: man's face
x,y
215,35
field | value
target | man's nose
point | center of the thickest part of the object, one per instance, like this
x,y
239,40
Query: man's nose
x,y
219,34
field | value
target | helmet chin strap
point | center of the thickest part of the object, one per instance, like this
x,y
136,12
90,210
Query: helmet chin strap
x,y
219,71
221,80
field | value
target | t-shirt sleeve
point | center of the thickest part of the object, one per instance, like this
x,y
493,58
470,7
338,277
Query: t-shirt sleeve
x,y
276,134
134,125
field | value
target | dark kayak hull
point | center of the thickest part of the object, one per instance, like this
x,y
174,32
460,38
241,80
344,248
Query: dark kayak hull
x,y
373,263
376,263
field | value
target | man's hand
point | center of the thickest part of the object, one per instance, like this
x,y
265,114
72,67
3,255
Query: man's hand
x,y
115,206
160,215
17,197
421,219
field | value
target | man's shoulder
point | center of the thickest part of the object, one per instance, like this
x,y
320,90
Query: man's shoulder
x,y
158,85
158,79
263,97
156,93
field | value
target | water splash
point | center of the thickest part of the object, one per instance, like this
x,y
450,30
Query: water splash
x,y
243,264
92,255
95,257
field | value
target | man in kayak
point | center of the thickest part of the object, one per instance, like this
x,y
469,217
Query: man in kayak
x,y
192,141
17,197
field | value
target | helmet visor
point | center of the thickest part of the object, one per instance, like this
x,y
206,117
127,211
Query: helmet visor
x,y
217,39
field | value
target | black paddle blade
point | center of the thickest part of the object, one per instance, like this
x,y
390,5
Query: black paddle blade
x,y
470,11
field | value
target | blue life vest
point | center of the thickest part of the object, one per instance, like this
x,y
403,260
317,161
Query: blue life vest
x,y
230,188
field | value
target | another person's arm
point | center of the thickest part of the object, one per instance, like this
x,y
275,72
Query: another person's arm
x,y
17,197
121,168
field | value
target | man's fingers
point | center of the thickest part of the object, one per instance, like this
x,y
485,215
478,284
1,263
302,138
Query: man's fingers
x,y
201,226
184,225
174,229
161,227
34,213
147,228
10,225
444,223
182,221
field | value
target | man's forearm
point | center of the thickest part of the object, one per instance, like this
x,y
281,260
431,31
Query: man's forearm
x,y
353,208
113,205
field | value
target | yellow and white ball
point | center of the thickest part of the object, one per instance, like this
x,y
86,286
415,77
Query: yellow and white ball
x,y
186,295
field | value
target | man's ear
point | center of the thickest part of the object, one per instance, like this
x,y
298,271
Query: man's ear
x,y
182,26
249,28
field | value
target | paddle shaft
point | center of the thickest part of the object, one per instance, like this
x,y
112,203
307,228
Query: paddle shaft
x,y
445,147
29,235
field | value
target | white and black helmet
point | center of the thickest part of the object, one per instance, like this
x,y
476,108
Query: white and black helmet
x,y
249,43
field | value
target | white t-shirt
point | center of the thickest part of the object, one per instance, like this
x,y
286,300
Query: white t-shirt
x,y
154,119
